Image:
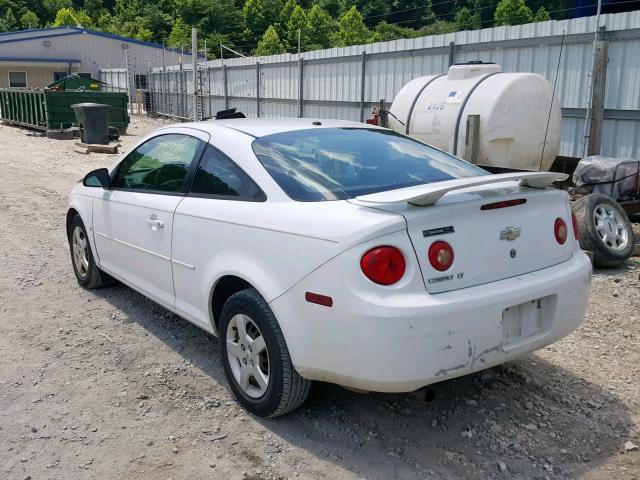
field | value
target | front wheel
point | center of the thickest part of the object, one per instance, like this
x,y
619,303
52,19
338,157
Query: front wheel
x,y
84,265
256,358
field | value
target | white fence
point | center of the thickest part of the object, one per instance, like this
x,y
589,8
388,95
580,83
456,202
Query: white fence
x,y
346,82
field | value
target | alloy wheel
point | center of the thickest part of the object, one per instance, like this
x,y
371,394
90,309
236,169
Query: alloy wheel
x,y
248,355
610,227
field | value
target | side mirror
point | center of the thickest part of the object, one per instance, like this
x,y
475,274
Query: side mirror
x,y
98,178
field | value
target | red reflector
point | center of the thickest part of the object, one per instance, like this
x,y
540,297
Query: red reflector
x,y
440,255
319,299
574,221
384,265
560,231
504,204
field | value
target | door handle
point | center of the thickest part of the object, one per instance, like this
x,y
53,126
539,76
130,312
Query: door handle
x,y
155,223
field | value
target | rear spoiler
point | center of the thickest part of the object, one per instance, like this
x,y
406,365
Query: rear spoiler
x,y
430,193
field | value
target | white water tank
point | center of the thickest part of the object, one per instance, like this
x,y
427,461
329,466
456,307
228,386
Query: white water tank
x,y
515,111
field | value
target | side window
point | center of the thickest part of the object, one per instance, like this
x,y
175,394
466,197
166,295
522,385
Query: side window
x,y
160,164
219,176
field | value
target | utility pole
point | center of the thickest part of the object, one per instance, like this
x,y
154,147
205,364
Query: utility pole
x,y
587,119
194,55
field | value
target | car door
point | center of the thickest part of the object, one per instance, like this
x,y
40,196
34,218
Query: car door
x,y
206,227
133,221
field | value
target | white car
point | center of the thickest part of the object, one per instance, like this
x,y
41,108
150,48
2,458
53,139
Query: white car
x,y
333,251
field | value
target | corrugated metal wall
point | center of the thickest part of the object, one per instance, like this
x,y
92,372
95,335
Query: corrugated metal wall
x,y
93,51
333,86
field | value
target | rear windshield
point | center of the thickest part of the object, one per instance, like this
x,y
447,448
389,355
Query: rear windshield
x,y
341,163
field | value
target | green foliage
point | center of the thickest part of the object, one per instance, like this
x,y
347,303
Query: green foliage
x,y
180,35
270,43
320,27
9,22
297,23
466,20
144,34
351,29
29,20
385,32
272,25
541,15
65,17
512,12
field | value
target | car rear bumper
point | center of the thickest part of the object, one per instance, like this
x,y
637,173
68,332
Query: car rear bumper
x,y
400,342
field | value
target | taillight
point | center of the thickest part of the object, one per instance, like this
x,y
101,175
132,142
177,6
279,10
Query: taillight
x,y
560,230
574,222
440,255
384,265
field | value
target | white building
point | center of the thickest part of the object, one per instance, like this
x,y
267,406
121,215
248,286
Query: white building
x,y
36,58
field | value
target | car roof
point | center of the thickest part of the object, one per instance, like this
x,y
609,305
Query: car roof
x,y
259,127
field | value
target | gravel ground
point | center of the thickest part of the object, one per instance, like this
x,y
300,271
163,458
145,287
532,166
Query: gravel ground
x,y
106,384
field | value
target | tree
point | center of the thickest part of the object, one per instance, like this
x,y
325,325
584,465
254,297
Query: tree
x,y
385,32
258,15
52,7
29,20
439,27
351,29
285,15
83,19
297,23
144,34
512,12
541,15
65,17
180,34
9,23
270,43
465,20
319,28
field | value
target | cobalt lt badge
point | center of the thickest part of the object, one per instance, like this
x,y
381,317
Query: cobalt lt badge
x,y
510,233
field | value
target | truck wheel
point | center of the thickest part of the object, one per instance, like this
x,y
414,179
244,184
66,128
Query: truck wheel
x,y
604,229
256,358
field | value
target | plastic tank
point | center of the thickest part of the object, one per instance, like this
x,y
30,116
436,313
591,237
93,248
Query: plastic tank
x,y
513,110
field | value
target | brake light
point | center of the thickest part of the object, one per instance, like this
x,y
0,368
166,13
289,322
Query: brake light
x,y
384,265
503,204
574,221
560,231
440,255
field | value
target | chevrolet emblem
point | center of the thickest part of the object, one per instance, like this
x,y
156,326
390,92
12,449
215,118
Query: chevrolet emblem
x,y
510,233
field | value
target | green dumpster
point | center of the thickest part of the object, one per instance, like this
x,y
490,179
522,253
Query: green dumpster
x,y
49,109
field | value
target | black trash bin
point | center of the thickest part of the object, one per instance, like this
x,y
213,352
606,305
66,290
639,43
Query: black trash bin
x,y
93,119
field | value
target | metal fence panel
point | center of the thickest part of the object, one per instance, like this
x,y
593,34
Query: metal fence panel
x,y
333,85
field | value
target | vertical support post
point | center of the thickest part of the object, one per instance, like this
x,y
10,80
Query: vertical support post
x,y
194,55
452,52
126,63
300,87
363,83
472,139
597,97
258,89
383,115
224,83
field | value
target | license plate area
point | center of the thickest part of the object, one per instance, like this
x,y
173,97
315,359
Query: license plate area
x,y
525,320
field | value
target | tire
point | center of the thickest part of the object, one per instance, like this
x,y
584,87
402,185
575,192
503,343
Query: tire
x,y
604,229
87,272
284,389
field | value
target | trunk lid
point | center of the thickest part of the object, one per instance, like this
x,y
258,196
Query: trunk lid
x,y
488,244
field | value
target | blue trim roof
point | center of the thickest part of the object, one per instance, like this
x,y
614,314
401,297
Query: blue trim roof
x,y
76,31
39,59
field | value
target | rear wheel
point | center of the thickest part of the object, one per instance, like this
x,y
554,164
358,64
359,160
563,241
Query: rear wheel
x,y
256,358
604,228
84,265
